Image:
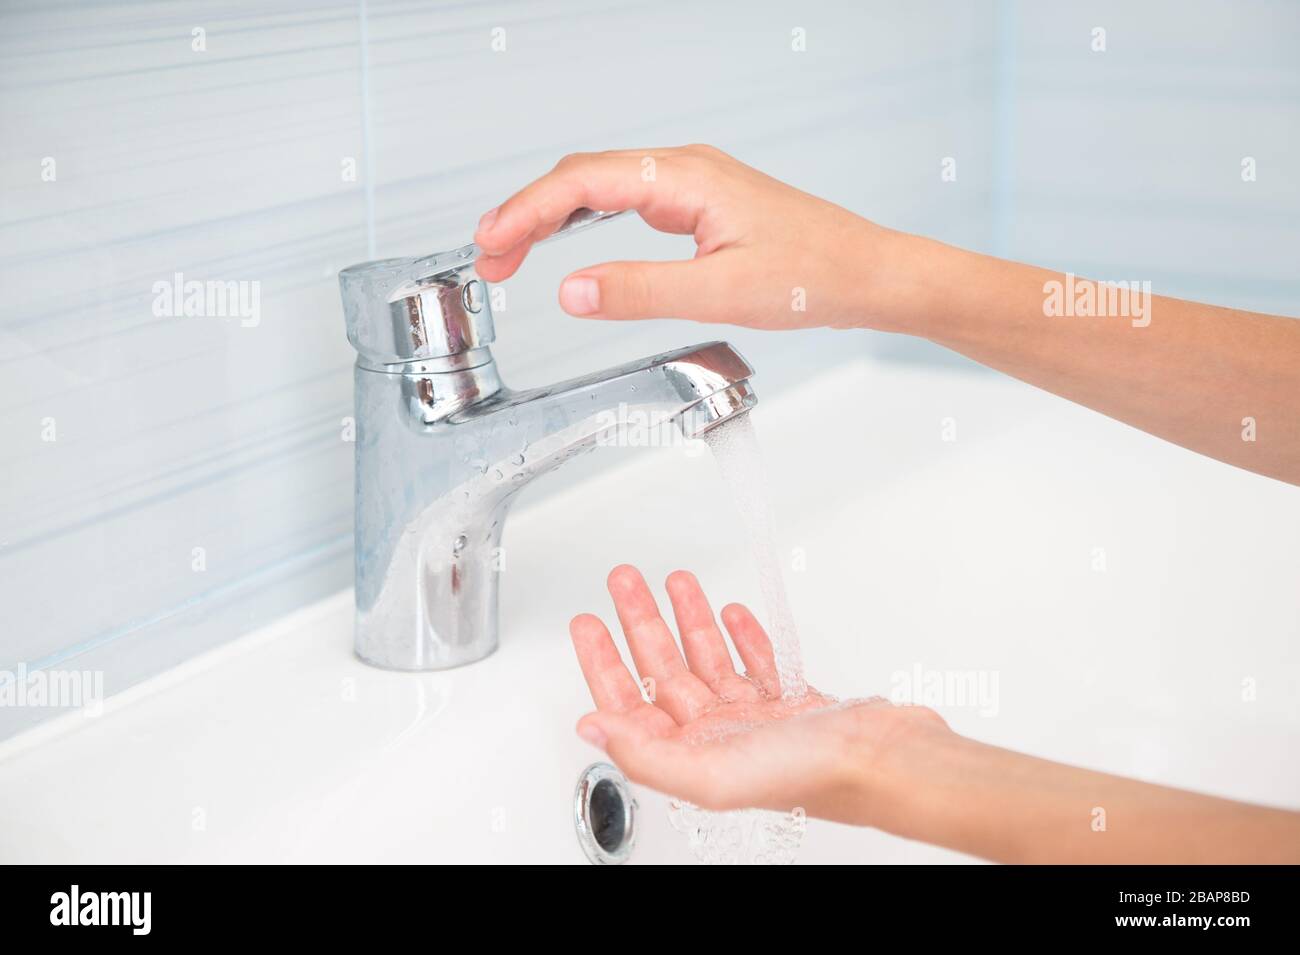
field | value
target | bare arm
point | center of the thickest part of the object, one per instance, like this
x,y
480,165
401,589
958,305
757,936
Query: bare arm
x,y
1221,382
1008,807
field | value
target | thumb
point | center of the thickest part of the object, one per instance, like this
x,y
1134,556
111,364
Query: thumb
x,y
626,290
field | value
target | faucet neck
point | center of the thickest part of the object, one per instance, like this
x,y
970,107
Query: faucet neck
x,y
433,390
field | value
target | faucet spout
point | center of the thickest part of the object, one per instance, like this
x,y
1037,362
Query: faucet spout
x,y
442,449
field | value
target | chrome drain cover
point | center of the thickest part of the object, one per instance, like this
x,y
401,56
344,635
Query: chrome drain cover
x,y
604,814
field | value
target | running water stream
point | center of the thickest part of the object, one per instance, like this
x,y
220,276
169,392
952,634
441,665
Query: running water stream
x,y
735,449
751,836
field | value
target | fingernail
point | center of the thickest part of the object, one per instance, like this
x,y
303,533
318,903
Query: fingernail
x,y
592,735
488,218
580,296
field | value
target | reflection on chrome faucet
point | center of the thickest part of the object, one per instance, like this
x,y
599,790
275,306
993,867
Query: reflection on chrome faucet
x,y
442,446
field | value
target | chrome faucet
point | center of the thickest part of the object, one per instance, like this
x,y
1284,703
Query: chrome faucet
x,y
442,446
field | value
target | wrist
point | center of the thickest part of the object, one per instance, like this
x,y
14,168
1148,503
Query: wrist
x,y
909,280
902,783
955,792
942,788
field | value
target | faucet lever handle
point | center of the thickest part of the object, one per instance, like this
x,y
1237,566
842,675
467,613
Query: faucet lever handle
x,y
458,261
584,218
432,307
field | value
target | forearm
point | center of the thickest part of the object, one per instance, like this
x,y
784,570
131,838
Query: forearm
x,y
1004,806
1221,382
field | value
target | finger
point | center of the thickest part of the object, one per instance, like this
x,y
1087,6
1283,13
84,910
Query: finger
x,y
628,290
612,686
706,650
498,268
754,647
608,181
654,651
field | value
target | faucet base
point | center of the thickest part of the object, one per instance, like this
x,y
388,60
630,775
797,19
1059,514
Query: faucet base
x,y
404,666
433,606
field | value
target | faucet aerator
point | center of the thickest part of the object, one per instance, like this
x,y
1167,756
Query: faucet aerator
x,y
711,411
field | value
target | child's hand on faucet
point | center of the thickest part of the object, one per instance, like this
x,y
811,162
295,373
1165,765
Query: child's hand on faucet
x,y
722,740
767,255
770,256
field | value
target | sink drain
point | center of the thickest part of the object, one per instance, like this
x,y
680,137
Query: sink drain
x,y
604,814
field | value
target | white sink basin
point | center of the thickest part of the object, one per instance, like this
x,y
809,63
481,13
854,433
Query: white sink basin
x,y
971,555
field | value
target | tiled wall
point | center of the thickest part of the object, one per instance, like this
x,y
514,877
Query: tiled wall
x,y
170,482
1128,163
